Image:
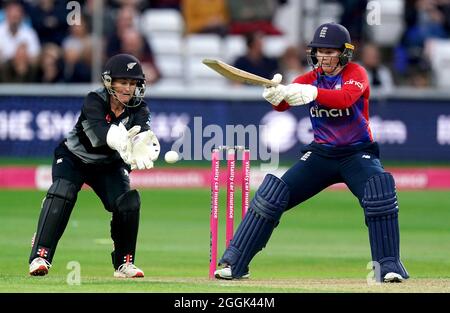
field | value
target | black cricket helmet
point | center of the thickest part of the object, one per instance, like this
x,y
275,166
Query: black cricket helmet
x,y
331,35
125,66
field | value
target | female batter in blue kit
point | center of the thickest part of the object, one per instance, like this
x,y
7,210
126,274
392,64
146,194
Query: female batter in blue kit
x,y
337,94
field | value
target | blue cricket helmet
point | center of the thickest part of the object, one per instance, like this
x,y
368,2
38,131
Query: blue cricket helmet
x,y
332,35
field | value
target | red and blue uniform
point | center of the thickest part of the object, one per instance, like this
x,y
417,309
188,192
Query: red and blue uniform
x,y
340,113
343,149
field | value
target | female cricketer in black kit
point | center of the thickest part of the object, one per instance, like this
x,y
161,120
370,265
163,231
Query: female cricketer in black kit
x,y
112,136
343,150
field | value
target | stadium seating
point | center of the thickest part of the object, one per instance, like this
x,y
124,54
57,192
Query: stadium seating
x,y
439,52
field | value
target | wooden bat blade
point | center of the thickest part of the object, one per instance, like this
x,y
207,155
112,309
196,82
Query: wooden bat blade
x,y
236,74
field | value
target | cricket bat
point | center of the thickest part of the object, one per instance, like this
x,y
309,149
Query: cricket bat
x,y
235,74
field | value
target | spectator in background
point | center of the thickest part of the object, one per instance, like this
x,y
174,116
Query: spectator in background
x,y
19,69
51,65
205,16
253,15
424,19
133,43
108,18
379,75
126,18
444,7
138,5
77,53
48,18
14,33
291,64
164,4
254,61
418,77
354,18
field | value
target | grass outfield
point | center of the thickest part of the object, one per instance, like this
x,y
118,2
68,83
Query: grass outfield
x,y
30,161
321,246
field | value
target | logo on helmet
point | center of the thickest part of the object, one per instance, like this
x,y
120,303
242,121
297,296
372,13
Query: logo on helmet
x,y
130,65
323,32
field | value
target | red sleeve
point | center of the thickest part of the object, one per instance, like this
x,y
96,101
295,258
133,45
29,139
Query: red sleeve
x,y
355,84
307,78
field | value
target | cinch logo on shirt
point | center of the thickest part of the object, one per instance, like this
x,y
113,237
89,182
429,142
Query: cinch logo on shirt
x,y
315,112
354,82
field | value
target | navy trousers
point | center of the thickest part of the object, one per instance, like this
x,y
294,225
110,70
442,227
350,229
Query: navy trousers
x,y
314,172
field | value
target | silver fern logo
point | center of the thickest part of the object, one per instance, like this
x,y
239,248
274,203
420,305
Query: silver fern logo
x,y
130,66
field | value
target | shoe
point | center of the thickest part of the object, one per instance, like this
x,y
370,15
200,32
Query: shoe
x,y
225,273
392,277
128,270
39,267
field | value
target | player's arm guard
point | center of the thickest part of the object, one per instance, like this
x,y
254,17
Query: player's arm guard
x,y
300,94
145,150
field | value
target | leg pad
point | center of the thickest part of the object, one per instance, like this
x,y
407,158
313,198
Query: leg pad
x,y
254,232
381,211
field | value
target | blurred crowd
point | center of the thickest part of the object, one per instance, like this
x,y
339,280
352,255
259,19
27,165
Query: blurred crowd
x,y
37,44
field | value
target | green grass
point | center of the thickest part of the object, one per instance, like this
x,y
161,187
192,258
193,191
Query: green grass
x,y
29,161
320,246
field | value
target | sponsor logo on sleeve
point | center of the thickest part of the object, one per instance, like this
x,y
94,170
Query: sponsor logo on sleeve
x,y
354,82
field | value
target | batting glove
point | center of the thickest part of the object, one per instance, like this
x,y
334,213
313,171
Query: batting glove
x,y
300,94
276,94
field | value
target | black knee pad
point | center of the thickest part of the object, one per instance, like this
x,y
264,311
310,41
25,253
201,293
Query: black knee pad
x,y
124,227
129,201
253,233
381,211
56,209
126,209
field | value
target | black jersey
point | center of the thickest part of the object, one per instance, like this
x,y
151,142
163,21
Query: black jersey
x,y
87,139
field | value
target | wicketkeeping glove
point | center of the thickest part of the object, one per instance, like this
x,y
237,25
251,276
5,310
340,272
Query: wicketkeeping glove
x,y
118,139
145,150
276,94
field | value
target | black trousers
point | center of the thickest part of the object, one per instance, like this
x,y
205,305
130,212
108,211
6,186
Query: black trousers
x,y
314,172
108,181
